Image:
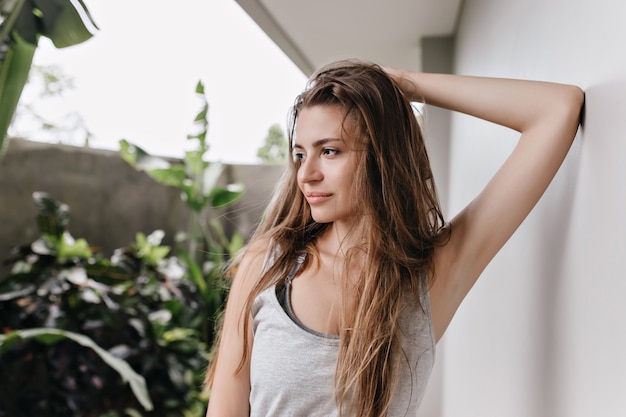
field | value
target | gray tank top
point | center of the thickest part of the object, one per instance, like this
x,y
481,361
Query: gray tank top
x,y
292,367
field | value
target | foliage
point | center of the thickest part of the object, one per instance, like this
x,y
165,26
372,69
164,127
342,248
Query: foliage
x,y
79,326
208,247
22,23
195,177
198,181
274,149
50,336
133,313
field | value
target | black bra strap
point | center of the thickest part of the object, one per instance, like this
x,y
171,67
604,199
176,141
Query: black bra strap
x,y
295,268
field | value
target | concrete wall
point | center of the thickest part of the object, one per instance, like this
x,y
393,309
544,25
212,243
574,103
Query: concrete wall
x,y
109,200
437,56
543,332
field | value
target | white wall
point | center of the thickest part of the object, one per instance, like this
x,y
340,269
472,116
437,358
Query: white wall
x,y
543,332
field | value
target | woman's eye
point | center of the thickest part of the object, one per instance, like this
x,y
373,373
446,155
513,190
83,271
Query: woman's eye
x,y
330,152
298,156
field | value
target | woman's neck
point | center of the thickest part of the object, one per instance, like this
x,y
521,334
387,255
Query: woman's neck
x,y
338,239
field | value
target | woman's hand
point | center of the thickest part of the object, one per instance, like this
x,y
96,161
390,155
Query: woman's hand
x,y
406,84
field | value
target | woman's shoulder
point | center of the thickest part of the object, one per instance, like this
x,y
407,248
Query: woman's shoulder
x,y
258,247
248,266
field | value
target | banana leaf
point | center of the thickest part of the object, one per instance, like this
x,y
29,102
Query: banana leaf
x,y
22,23
51,335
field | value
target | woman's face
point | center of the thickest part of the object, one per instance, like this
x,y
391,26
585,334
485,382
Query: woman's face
x,y
327,164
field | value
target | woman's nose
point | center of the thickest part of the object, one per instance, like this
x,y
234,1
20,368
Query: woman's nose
x,y
309,170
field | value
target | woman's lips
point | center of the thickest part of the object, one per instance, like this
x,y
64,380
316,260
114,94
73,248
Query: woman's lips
x,y
316,197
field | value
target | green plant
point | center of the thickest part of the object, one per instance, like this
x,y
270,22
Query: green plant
x,y
22,23
208,247
144,306
135,307
51,336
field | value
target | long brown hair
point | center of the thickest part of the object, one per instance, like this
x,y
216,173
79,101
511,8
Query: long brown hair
x,y
397,230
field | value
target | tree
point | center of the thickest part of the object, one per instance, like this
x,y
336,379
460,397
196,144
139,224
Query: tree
x,y
274,149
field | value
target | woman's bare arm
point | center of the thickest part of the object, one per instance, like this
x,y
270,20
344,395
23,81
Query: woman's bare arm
x,y
230,389
547,116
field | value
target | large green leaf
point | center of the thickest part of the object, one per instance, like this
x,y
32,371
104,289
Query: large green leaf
x,y
64,22
50,335
15,64
174,176
23,22
138,158
223,197
158,169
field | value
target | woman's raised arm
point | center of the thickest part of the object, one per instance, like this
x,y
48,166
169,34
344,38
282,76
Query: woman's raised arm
x,y
547,116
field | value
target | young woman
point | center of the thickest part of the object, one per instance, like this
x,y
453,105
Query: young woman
x,y
353,275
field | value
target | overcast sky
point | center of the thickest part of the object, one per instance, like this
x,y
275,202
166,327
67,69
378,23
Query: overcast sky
x,y
135,78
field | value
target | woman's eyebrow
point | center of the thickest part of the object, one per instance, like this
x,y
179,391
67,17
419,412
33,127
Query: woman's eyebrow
x,y
319,142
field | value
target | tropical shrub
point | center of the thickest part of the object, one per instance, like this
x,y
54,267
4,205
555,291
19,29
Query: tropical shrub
x,y
130,335
66,310
205,247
